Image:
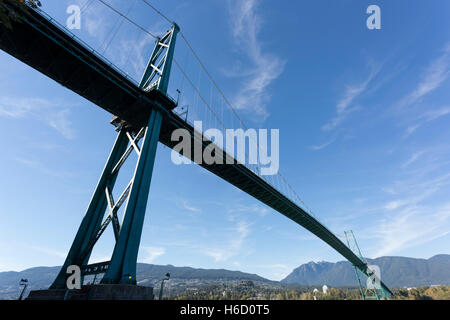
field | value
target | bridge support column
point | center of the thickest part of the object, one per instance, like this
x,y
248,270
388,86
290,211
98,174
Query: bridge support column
x,y
79,252
122,268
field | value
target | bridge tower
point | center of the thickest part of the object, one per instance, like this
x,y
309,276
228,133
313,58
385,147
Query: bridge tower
x,y
366,292
102,209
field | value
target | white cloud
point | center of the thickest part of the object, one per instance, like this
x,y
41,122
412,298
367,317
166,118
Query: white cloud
x,y
426,117
345,105
411,106
94,20
21,107
266,67
234,246
38,165
435,75
414,216
60,121
411,226
412,200
48,251
237,208
40,109
322,146
185,205
413,158
151,253
135,52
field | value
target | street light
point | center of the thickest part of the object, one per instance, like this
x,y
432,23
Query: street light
x,y
167,277
24,283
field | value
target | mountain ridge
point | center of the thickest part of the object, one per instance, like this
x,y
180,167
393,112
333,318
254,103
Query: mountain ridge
x,y
396,271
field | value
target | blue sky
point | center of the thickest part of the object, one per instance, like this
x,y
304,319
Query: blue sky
x,y
363,118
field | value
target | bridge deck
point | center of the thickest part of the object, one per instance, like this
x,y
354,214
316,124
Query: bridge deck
x,y
54,52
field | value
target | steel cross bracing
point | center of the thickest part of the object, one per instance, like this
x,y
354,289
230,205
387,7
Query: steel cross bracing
x,y
57,53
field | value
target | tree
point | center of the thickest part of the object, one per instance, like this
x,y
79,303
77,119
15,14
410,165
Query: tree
x,y
7,15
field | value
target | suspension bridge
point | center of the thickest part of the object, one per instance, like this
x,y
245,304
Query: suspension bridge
x,y
144,113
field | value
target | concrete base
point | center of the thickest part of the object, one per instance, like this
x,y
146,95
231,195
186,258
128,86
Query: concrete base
x,y
96,292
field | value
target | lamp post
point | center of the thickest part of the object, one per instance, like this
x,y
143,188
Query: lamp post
x,y
24,283
167,277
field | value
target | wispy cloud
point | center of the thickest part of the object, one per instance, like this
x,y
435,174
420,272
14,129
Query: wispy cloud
x,y
94,19
185,205
60,121
20,107
266,67
426,117
322,146
38,165
150,254
412,217
410,226
411,105
40,109
237,208
136,53
346,103
48,251
235,244
414,190
413,158
434,76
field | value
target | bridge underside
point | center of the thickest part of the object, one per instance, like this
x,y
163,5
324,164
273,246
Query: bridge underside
x,y
48,49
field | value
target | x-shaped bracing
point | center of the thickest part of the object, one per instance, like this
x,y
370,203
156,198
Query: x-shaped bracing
x,y
113,207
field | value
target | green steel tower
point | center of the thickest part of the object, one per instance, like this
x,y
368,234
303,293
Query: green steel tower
x,y
121,269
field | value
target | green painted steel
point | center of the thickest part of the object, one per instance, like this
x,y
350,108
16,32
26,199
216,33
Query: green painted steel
x,y
123,262
91,222
157,72
366,293
122,267
354,267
